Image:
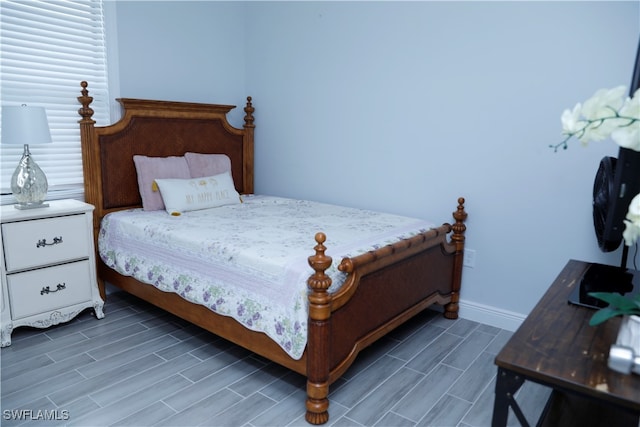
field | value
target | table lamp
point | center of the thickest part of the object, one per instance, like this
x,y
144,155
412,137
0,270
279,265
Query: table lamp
x,y
27,125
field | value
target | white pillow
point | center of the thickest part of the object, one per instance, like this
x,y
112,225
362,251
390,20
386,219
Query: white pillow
x,y
183,195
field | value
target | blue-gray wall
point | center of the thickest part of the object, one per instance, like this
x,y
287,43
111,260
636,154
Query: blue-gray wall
x,y
403,107
182,51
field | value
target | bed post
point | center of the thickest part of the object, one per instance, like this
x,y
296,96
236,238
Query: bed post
x,y
452,308
90,165
90,161
248,147
318,336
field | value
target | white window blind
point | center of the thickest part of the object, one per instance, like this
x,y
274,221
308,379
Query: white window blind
x,y
46,49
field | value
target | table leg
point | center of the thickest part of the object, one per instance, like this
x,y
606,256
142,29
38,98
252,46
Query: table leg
x,y
507,384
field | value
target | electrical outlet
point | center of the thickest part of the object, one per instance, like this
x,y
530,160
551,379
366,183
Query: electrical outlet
x,y
469,258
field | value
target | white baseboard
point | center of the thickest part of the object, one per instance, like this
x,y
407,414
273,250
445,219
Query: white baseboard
x,y
491,316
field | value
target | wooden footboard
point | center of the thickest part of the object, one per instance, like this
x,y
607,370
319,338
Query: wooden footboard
x,y
383,289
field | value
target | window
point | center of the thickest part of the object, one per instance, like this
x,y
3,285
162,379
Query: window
x,y
46,49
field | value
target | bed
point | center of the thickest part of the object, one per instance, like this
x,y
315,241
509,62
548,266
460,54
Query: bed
x,y
380,288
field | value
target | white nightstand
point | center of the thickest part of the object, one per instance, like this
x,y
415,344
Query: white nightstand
x,y
48,266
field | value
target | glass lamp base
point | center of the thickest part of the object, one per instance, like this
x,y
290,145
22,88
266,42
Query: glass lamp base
x,y
29,183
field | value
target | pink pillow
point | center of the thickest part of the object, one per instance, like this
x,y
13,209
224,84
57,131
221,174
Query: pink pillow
x,y
151,168
203,165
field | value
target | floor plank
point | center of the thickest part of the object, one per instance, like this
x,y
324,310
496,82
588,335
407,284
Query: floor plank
x,y
140,366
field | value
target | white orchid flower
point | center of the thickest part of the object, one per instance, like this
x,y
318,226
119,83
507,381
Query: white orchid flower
x,y
607,114
628,133
601,110
628,137
604,102
632,222
571,122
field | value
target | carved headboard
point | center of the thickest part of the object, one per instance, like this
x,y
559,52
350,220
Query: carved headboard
x,y
156,129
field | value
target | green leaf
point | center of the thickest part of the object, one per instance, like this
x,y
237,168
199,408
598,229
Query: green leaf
x,y
603,315
618,306
617,300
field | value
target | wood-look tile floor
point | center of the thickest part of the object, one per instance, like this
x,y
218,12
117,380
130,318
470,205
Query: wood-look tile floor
x,y
140,366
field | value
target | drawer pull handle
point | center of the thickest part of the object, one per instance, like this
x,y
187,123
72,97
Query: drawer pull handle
x,y
47,290
43,242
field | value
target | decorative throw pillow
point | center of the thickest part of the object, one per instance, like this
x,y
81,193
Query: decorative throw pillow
x,y
203,165
183,195
150,168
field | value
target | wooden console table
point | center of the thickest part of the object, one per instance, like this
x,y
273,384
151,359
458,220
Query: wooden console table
x,y
556,347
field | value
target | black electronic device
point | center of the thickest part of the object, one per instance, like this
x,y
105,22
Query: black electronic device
x,y
604,278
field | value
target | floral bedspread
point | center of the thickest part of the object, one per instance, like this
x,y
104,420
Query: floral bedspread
x,y
249,260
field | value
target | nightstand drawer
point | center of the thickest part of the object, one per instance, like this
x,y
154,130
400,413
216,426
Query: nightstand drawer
x,y
46,241
38,291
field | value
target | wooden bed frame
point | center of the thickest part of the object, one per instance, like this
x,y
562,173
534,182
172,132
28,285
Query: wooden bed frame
x,y
384,288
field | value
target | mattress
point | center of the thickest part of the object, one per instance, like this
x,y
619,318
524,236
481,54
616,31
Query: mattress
x,y
249,260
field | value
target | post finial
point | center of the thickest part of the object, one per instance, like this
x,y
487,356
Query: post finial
x,y
248,118
319,281
460,216
86,112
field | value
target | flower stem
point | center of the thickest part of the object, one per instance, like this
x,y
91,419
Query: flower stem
x,y
591,123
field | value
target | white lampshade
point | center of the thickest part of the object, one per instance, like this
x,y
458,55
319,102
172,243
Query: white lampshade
x,y
27,125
